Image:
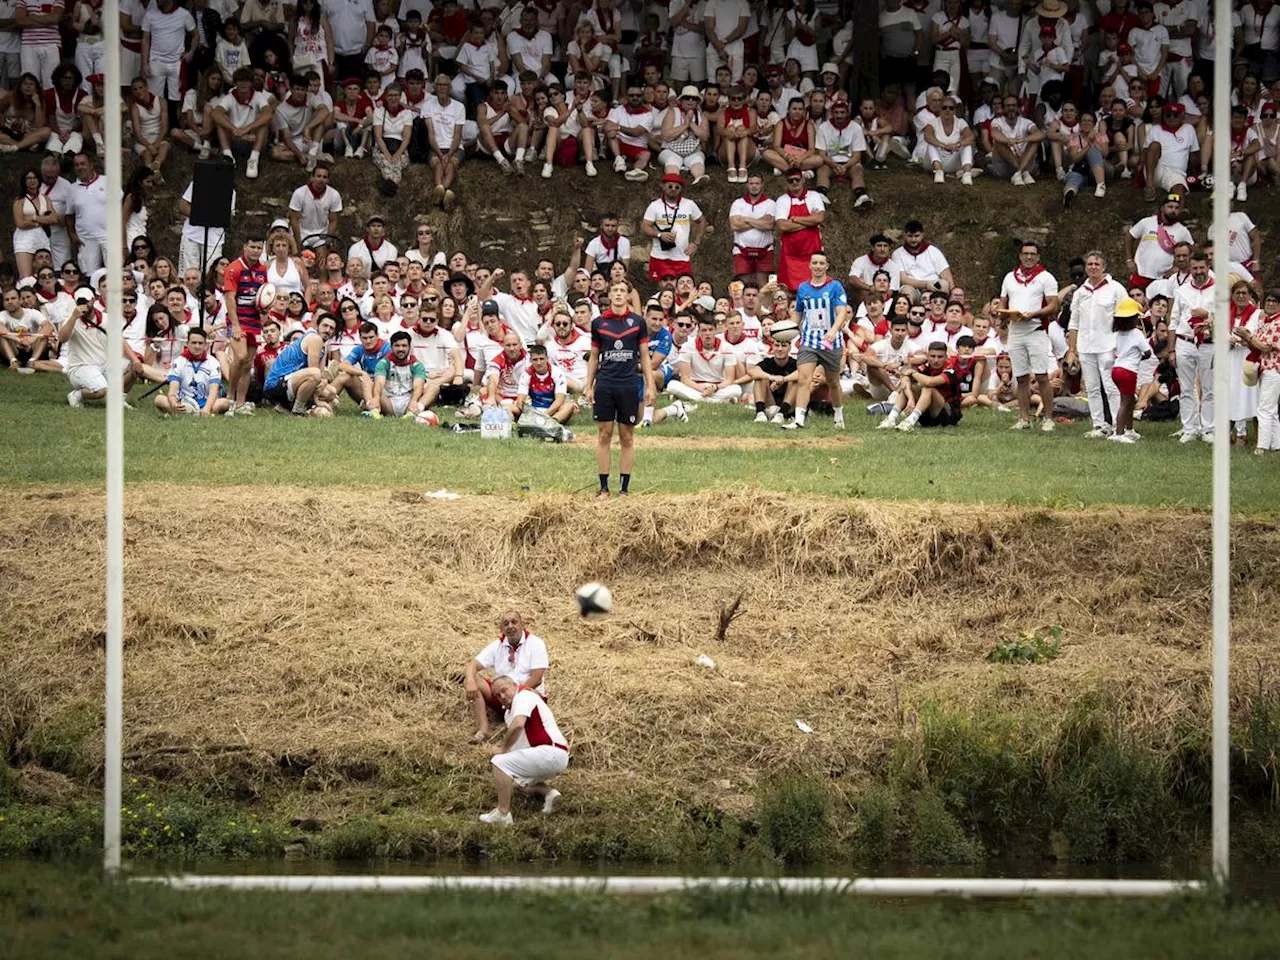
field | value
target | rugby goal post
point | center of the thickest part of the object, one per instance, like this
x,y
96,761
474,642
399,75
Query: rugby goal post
x,y
884,887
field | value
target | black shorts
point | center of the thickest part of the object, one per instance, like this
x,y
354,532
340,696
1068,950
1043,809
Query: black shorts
x,y
278,394
948,416
615,403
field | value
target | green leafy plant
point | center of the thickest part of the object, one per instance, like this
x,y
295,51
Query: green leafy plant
x,y
1038,647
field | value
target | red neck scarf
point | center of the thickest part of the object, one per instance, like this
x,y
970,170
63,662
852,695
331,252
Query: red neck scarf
x,y
406,362
754,200
245,100
46,297
317,193
610,246
1239,317
1024,277
373,247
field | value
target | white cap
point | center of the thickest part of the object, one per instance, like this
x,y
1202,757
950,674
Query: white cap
x,y
690,91
26,283
85,295
95,280
830,68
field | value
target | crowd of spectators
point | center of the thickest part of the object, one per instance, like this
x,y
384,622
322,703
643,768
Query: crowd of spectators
x,y
810,97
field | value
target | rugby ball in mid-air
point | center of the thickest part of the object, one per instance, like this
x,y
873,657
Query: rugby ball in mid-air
x,y
784,331
426,418
594,599
266,296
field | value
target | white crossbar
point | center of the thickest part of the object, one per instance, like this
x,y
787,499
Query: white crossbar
x,y
862,886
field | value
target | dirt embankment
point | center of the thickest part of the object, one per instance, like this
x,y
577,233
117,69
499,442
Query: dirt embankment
x,y
281,639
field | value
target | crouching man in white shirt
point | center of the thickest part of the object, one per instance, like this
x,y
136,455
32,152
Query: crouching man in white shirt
x,y
709,368
533,751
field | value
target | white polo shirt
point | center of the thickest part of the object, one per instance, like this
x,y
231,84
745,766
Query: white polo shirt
x,y
1177,146
433,351
88,204
347,19
709,366
1028,294
168,32
865,269
520,314
518,664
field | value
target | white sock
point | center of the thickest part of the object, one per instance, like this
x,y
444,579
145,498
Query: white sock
x,y
894,415
801,412
227,153
839,415
253,155
519,153
914,417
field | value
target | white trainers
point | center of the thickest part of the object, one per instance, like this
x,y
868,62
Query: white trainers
x,y
349,151
75,398
1242,192
1028,180
1207,437
898,147
1188,438
1100,190
360,151
680,411
637,175
251,169
939,177
1016,179
551,802
778,418
793,425
886,424
205,149
619,164
496,817
1060,174
591,169
519,166
1021,425
1133,433
1126,174
546,171
1097,433
906,426
762,417
504,165
1121,438
966,179
1047,426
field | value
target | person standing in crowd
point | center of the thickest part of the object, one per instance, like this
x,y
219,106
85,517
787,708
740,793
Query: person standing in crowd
x,y
751,218
40,22
352,23
1266,341
1190,347
676,225
1028,304
1149,244
242,280
1092,343
619,346
86,216
822,310
314,208
798,216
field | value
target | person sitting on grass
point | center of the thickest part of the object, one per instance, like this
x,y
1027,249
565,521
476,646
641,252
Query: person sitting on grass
x,y
399,380
195,380
709,368
543,387
533,751
973,372
358,368
502,377
84,335
296,376
886,360
775,381
932,392
516,654
23,334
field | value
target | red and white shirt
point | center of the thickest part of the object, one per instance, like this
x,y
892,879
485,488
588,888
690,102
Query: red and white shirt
x,y
540,728
1028,291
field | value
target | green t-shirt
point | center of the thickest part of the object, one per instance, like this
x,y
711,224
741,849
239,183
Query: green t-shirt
x,y
400,378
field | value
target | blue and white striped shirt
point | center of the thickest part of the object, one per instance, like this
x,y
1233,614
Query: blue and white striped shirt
x,y
817,309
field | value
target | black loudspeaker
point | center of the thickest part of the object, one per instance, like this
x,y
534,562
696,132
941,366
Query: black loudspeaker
x,y
211,188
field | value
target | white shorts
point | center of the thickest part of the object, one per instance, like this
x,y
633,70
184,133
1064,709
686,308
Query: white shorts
x,y
90,378
1167,177
673,161
400,404
29,241
1029,351
532,765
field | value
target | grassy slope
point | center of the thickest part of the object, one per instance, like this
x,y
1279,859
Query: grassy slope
x,y
51,913
720,448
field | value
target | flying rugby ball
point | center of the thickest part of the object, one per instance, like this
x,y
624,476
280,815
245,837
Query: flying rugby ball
x,y
784,331
593,599
426,418
266,296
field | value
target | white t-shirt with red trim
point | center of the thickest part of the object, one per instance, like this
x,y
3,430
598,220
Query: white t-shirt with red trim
x,y
540,728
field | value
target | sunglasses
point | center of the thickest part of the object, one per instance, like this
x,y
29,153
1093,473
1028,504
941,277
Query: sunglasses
x,y
948,109
795,179
70,272
1268,116
44,276
430,299
685,326
129,299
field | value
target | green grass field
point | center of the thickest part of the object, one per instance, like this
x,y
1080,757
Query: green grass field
x,y
50,912
980,461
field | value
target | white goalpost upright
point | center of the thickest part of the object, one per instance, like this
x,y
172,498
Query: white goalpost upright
x,y
114,731
896,887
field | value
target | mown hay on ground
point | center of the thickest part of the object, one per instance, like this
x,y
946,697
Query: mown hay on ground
x,y
281,637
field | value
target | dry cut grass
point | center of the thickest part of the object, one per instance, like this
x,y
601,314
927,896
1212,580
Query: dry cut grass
x,y
279,633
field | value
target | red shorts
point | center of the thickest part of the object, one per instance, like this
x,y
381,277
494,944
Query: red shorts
x,y
659,268
1126,381
1140,282
752,260
567,152
630,152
